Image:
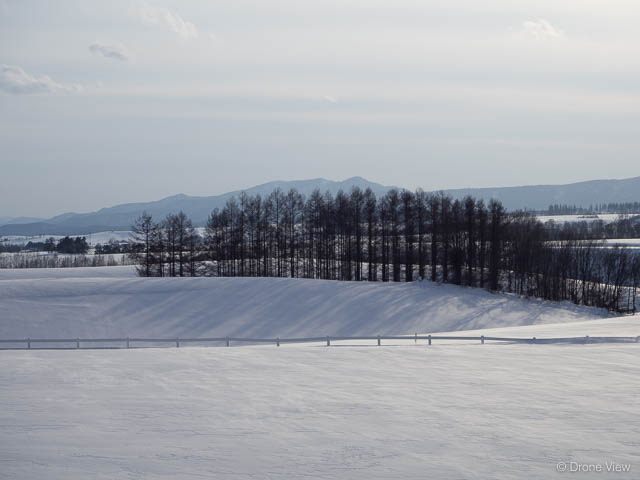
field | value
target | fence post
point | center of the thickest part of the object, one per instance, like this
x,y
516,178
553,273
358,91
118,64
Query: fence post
x,y
328,342
429,339
228,342
29,343
177,343
482,339
77,343
278,342
378,340
128,343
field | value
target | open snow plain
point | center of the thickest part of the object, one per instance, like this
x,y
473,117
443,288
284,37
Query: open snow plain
x,y
445,411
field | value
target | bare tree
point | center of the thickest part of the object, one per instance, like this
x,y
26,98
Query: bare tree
x,y
143,231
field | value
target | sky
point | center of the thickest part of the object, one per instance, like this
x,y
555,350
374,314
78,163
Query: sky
x,y
104,103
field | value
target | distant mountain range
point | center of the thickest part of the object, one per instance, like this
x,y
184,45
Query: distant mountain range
x,y
120,217
539,197
19,220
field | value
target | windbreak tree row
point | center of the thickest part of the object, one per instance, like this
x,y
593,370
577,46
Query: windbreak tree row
x,y
78,246
563,209
625,226
400,236
36,260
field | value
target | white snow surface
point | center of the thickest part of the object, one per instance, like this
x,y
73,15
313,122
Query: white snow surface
x,y
9,274
413,412
625,326
350,411
605,217
111,302
623,242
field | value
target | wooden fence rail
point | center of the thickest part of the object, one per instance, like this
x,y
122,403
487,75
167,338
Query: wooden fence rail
x,y
128,342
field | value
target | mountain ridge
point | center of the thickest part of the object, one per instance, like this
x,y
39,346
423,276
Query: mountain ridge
x,y
198,208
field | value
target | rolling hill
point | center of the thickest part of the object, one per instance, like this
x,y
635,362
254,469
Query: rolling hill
x,y
112,301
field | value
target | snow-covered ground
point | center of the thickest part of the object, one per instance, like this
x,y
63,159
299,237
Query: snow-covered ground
x,y
350,411
414,412
111,301
625,326
605,217
623,242
127,271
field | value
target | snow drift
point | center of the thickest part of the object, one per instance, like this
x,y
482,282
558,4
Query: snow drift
x,y
111,301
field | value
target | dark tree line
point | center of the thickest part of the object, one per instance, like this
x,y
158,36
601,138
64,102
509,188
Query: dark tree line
x,y
171,248
34,260
401,236
13,248
594,209
623,227
68,245
112,247
76,245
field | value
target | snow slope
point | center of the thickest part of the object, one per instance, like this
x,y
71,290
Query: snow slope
x,y
414,412
8,275
106,302
626,326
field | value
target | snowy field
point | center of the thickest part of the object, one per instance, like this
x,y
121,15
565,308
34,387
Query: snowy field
x,y
16,274
350,411
623,242
414,412
112,302
605,217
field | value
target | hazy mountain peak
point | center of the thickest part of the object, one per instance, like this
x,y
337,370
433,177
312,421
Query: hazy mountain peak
x,y
355,179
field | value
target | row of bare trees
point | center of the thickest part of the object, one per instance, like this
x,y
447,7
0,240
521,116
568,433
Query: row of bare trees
x,y
171,248
400,236
356,236
38,260
623,207
625,226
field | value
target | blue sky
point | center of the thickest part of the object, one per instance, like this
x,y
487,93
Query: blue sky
x,y
110,102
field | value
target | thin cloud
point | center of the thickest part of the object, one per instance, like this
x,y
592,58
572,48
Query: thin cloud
x,y
541,29
163,17
115,51
15,80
